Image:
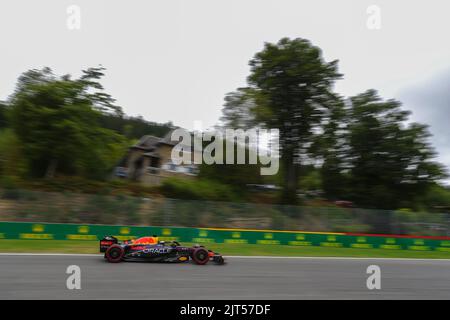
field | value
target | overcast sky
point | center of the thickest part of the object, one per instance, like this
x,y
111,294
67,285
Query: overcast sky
x,y
175,60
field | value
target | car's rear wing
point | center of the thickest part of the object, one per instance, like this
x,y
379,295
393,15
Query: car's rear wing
x,y
106,242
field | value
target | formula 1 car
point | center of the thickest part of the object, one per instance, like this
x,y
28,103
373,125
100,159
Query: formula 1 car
x,y
153,250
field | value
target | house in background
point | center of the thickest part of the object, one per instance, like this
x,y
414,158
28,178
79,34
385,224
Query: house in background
x,y
149,161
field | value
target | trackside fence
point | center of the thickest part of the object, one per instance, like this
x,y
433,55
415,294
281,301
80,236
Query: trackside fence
x,y
75,208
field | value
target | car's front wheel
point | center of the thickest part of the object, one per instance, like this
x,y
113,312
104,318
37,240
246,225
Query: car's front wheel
x,y
200,256
114,253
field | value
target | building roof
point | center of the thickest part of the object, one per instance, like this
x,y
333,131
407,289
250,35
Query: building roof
x,y
167,139
151,154
149,143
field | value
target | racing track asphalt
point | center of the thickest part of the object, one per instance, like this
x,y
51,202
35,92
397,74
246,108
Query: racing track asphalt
x,y
44,277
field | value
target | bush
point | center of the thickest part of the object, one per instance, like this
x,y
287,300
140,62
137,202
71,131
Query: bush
x,y
76,184
198,190
10,190
12,161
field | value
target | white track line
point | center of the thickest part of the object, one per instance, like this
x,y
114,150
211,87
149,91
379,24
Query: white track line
x,y
232,257
50,254
336,258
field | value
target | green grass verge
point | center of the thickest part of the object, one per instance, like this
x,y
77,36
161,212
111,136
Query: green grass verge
x,y
69,246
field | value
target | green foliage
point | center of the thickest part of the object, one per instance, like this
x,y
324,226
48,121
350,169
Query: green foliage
x,y
74,184
330,147
291,86
311,179
3,116
57,123
69,131
372,156
423,223
437,197
200,189
389,160
368,152
236,175
64,126
12,162
9,186
238,109
133,127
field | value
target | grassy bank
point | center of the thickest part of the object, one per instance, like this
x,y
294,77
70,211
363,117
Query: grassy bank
x,y
61,246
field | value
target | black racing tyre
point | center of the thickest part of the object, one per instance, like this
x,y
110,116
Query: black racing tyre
x,y
219,260
200,256
114,253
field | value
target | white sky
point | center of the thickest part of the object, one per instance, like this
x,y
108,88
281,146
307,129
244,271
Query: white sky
x,y
175,60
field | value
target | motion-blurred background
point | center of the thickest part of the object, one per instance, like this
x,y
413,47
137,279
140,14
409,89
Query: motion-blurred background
x,y
353,157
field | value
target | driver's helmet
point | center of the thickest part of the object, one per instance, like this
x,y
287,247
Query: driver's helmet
x,y
146,240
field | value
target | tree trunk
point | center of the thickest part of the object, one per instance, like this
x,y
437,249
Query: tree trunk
x,y
289,195
51,169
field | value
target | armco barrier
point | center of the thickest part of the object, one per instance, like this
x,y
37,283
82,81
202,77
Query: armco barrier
x,y
56,231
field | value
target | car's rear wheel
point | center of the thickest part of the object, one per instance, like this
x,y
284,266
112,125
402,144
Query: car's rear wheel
x,y
200,256
114,253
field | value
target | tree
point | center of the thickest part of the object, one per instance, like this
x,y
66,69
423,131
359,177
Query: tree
x,y
56,120
237,112
236,175
12,163
3,119
293,89
134,127
390,162
331,148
